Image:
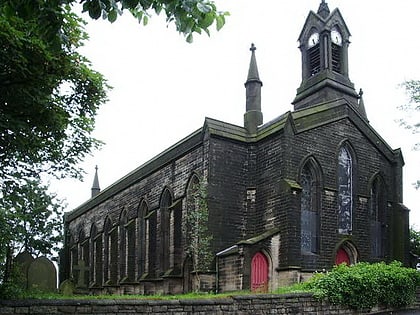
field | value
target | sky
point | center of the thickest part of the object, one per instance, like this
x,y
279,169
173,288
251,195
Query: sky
x,y
163,87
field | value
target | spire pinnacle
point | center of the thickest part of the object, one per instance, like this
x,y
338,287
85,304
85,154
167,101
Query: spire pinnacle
x,y
323,9
253,116
95,186
253,69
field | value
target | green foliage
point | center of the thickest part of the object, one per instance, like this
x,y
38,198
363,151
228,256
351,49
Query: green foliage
x,y
186,296
411,120
414,241
294,288
365,285
198,236
12,288
35,217
31,220
49,97
189,16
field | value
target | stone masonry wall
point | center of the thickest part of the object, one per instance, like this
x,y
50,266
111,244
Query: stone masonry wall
x,y
238,305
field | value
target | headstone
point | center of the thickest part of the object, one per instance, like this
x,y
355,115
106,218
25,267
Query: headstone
x,y
82,275
67,287
42,275
23,261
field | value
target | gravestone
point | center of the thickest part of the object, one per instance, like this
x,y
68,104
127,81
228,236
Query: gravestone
x,y
23,261
67,287
42,275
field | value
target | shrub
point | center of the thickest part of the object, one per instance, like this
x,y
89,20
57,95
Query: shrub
x,y
13,288
365,285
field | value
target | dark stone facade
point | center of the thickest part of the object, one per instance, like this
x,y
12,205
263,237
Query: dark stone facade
x,y
314,187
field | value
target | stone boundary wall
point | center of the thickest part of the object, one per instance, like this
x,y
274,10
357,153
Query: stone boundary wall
x,y
236,305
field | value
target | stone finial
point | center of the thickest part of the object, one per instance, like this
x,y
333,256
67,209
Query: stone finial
x,y
95,186
323,9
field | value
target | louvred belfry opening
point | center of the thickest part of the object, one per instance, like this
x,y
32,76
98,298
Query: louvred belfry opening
x,y
259,273
336,57
314,60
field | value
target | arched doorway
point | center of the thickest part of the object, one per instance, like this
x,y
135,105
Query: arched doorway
x,y
259,273
342,257
347,254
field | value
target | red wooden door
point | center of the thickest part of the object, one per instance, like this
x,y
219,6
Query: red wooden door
x,y
259,273
342,257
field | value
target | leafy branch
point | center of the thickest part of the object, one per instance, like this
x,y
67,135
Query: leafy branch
x,y
189,16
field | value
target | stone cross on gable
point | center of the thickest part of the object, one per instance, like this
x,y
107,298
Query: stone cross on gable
x,y
82,268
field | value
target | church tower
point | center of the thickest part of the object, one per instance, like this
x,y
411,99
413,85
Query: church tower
x,y
324,42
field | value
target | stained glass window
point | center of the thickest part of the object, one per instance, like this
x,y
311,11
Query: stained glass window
x,y
309,211
345,191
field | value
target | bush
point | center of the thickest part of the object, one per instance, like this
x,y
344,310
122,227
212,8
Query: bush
x,y
13,288
365,285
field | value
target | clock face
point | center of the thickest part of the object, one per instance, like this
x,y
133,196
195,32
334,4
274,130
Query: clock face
x,y
336,37
313,40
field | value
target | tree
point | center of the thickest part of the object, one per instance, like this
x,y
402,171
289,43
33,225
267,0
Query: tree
x,y
414,241
32,218
50,95
411,121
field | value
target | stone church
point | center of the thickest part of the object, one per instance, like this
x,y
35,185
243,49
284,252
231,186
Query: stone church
x,y
315,187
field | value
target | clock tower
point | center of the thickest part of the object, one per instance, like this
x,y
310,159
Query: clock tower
x,y
324,42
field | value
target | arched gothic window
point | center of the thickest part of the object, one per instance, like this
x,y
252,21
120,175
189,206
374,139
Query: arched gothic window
x,y
107,251
110,253
151,243
96,257
123,245
345,191
92,267
166,232
170,234
143,238
377,215
310,206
